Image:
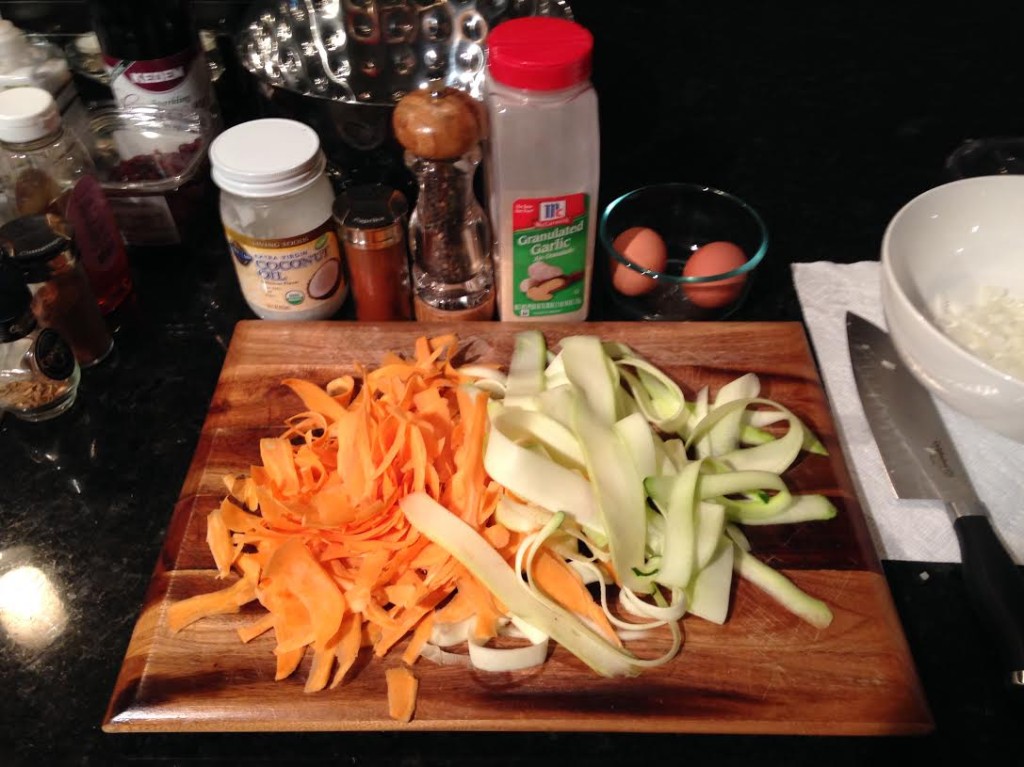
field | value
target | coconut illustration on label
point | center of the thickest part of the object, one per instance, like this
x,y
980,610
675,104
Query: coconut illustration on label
x,y
325,280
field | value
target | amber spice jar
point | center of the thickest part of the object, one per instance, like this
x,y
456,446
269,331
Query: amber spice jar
x,y
371,221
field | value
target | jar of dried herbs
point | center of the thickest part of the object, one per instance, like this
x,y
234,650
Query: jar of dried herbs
x,y
38,373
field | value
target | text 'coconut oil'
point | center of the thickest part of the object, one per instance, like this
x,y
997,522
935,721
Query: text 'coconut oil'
x,y
276,207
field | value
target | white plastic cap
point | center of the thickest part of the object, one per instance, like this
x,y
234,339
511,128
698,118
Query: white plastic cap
x,y
266,158
27,114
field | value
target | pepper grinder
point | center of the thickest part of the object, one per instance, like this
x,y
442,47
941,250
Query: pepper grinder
x,y
449,235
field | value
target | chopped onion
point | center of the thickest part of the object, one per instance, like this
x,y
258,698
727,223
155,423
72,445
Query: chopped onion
x,y
991,328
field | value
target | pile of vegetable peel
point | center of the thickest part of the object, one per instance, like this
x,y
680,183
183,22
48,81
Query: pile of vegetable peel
x,y
473,513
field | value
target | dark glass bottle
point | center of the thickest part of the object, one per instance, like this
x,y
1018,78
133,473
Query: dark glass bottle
x,y
62,298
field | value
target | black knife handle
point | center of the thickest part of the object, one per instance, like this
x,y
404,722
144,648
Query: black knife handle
x,y
997,588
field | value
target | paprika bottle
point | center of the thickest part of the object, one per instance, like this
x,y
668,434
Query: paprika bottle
x,y
371,221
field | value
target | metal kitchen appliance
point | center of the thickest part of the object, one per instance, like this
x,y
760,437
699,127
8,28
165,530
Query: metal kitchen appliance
x,y
340,66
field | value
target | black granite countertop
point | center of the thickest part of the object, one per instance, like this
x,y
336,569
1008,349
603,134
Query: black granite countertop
x,y
825,117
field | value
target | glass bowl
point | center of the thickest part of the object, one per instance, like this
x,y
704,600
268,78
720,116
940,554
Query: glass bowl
x,y
152,164
687,217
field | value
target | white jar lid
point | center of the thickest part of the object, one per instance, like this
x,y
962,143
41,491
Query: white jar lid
x,y
266,158
26,114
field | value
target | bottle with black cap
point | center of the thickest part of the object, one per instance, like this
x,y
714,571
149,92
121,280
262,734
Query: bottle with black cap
x,y
38,373
42,248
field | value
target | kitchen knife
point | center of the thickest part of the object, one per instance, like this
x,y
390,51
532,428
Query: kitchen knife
x,y
922,462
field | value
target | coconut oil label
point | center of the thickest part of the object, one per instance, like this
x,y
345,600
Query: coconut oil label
x,y
549,255
289,274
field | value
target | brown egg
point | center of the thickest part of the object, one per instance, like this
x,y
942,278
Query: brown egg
x,y
645,248
715,258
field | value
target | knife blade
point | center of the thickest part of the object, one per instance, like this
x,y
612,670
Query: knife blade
x,y
922,462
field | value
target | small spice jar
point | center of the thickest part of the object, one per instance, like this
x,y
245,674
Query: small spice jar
x,y
62,299
371,221
38,373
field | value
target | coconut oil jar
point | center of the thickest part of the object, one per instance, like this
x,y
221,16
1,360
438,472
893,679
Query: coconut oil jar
x,y
276,207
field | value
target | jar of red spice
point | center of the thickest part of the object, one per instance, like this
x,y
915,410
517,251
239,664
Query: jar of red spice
x,y
371,224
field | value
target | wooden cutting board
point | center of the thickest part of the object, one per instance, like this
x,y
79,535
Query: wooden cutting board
x,y
764,671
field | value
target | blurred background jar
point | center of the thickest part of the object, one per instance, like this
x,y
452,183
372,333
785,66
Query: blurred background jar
x,y
47,168
42,250
153,56
34,62
38,373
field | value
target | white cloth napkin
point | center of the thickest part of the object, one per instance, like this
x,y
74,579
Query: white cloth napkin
x,y
903,529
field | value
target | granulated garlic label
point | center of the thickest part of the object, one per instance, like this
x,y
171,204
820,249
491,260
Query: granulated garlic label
x,y
549,246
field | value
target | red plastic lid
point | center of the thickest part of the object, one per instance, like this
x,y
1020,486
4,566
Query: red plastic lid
x,y
539,53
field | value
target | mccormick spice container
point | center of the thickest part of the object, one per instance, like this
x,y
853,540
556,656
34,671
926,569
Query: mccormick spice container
x,y
543,167
31,61
38,373
62,298
276,207
371,220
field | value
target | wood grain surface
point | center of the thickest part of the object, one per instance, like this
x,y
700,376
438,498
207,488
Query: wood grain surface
x,y
764,671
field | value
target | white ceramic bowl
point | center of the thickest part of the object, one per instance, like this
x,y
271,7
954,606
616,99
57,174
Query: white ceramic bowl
x,y
950,242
